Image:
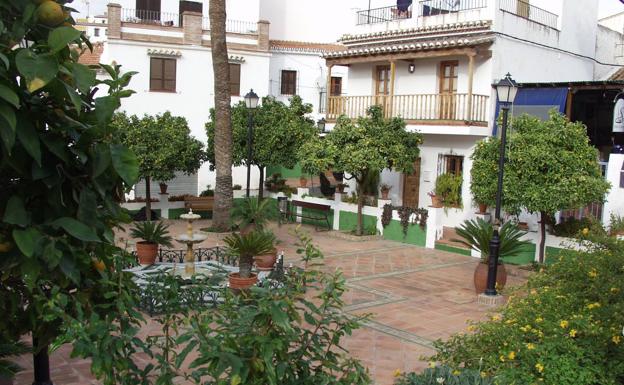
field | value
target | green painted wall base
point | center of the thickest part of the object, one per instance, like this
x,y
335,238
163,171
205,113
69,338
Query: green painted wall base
x,y
348,222
416,235
451,249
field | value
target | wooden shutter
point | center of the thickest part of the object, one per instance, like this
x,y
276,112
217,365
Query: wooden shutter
x,y
169,75
162,74
148,9
235,72
289,82
336,86
156,74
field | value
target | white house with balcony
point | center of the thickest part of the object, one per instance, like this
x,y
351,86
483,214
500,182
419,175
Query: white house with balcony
x,y
433,63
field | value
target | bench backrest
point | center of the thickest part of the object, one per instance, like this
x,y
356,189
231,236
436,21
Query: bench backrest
x,y
199,202
310,205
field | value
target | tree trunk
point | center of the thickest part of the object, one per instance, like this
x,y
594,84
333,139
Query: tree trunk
x,y
261,183
244,266
542,245
223,124
360,203
148,198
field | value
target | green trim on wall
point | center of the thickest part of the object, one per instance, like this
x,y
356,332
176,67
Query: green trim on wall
x,y
320,223
416,235
451,249
525,257
348,221
286,172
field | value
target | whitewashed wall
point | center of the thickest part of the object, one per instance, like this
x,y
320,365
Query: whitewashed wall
x,y
609,49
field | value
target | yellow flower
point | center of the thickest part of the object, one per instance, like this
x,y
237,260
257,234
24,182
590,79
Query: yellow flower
x,y
615,290
496,317
397,373
525,328
530,346
573,333
585,231
511,355
432,364
593,273
563,324
502,358
539,367
483,374
593,305
472,328
456,372
616,339
539,320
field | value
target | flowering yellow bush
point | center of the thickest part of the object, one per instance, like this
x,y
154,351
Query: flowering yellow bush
x,y
564,328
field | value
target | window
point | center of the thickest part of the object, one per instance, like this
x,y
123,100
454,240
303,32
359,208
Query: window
x,y
148,10
448,90
522,8
235,72
451,164
336,86
382,80
162,74
96,32
289,82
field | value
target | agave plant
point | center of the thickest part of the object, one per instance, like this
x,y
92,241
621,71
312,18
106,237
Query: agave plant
x,y
8,369
477,234
152,232
246,246
253,211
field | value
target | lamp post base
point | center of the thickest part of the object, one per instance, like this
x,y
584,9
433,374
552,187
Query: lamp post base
x,y
490,300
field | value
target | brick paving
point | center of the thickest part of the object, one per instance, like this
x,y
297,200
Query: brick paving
x,y
416,296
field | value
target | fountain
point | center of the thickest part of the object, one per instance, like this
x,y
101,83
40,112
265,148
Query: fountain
x,y
190,238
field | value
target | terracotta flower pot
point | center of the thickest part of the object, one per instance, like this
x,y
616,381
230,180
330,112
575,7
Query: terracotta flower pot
x,y
436,201
146,252
163,188
384,194
482,208
236,282
303,182
266,262
481,274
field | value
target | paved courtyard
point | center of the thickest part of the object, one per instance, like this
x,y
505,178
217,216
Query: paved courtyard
x,y
416,296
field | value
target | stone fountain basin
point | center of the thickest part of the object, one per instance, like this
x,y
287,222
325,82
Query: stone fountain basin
x,y
195,238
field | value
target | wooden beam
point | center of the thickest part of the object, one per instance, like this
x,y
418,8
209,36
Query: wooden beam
x,y
471,60
401,56
570,98
328,93
390,101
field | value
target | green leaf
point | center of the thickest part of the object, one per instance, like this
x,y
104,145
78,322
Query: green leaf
x,y
236,380
7,94
77,229
38,70
57,146
7,127
87,206
61,36
27,135
74,97
125,163
101,159
26,240
15,213
105,107
83,76
8,114
68,267
4,60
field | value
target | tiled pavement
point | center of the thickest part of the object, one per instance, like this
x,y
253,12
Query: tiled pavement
x,y
416,296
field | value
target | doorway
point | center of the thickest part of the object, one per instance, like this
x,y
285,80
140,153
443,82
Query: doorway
x,y
411,187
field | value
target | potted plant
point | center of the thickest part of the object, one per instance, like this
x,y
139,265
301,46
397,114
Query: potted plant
x,y
435,200
237,187
163,187
482,208
341,187
8,369
616,225
246,247
303,181
385,189
266,261
252,214
152,234
448,189
477,234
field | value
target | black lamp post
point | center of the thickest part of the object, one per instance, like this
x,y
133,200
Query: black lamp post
x,y
321,125
251,101
506,89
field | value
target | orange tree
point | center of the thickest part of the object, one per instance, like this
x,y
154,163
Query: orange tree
x,y
61,176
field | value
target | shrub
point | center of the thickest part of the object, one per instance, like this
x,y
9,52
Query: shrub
x,y
446,376
572,227
564,328
208,192
616,224
448,188
477,234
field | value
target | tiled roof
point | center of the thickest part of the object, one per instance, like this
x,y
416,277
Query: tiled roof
x,y
92,58
618,75
302,46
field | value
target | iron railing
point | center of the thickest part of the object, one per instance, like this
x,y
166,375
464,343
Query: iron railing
x,y
441,7
530,12
143,16
381,15
234,26
451,107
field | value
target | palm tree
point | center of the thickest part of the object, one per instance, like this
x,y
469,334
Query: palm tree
x,y
223,124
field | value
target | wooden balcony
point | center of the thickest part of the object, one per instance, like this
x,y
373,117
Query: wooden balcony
x,y
422,108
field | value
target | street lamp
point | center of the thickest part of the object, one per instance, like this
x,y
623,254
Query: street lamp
x,y
506,90
251,101
321,125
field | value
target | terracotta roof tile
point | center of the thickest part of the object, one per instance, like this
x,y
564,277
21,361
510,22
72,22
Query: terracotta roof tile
x,y
303,46
618,75
92,58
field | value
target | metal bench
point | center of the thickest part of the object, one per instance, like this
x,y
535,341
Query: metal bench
x,y
321,212
199,203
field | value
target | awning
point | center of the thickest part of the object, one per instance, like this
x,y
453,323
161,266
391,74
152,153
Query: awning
x,y
537,102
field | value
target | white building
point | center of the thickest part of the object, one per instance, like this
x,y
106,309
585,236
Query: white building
x,y
433,63
168,43
95,27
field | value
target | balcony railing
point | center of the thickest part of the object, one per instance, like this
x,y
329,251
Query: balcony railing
x,y
423,107
530,12
442,7
382,15
143,16
234,26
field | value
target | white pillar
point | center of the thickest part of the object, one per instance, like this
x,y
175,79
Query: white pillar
x,y
614,203
338,203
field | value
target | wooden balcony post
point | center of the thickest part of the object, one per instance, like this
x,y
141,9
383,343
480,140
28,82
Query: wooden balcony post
x,y
328,91
471,58
390,108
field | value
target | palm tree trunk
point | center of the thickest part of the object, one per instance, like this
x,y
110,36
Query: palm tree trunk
x,y
148,198
360,203
261,183
223,125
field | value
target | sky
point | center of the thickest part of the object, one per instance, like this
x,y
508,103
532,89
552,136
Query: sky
x,y
606,7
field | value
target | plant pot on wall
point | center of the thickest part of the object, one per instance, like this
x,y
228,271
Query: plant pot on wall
x,y
146,252
436,201
236,282
265,262
163,188
481,274
482,208
303,182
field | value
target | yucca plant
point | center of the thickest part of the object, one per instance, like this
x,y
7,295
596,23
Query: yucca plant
x,y
246,246
477,234
253,211
152,232
8,369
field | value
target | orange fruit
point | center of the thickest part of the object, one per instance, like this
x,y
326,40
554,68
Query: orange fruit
x,y
98,265
50,13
